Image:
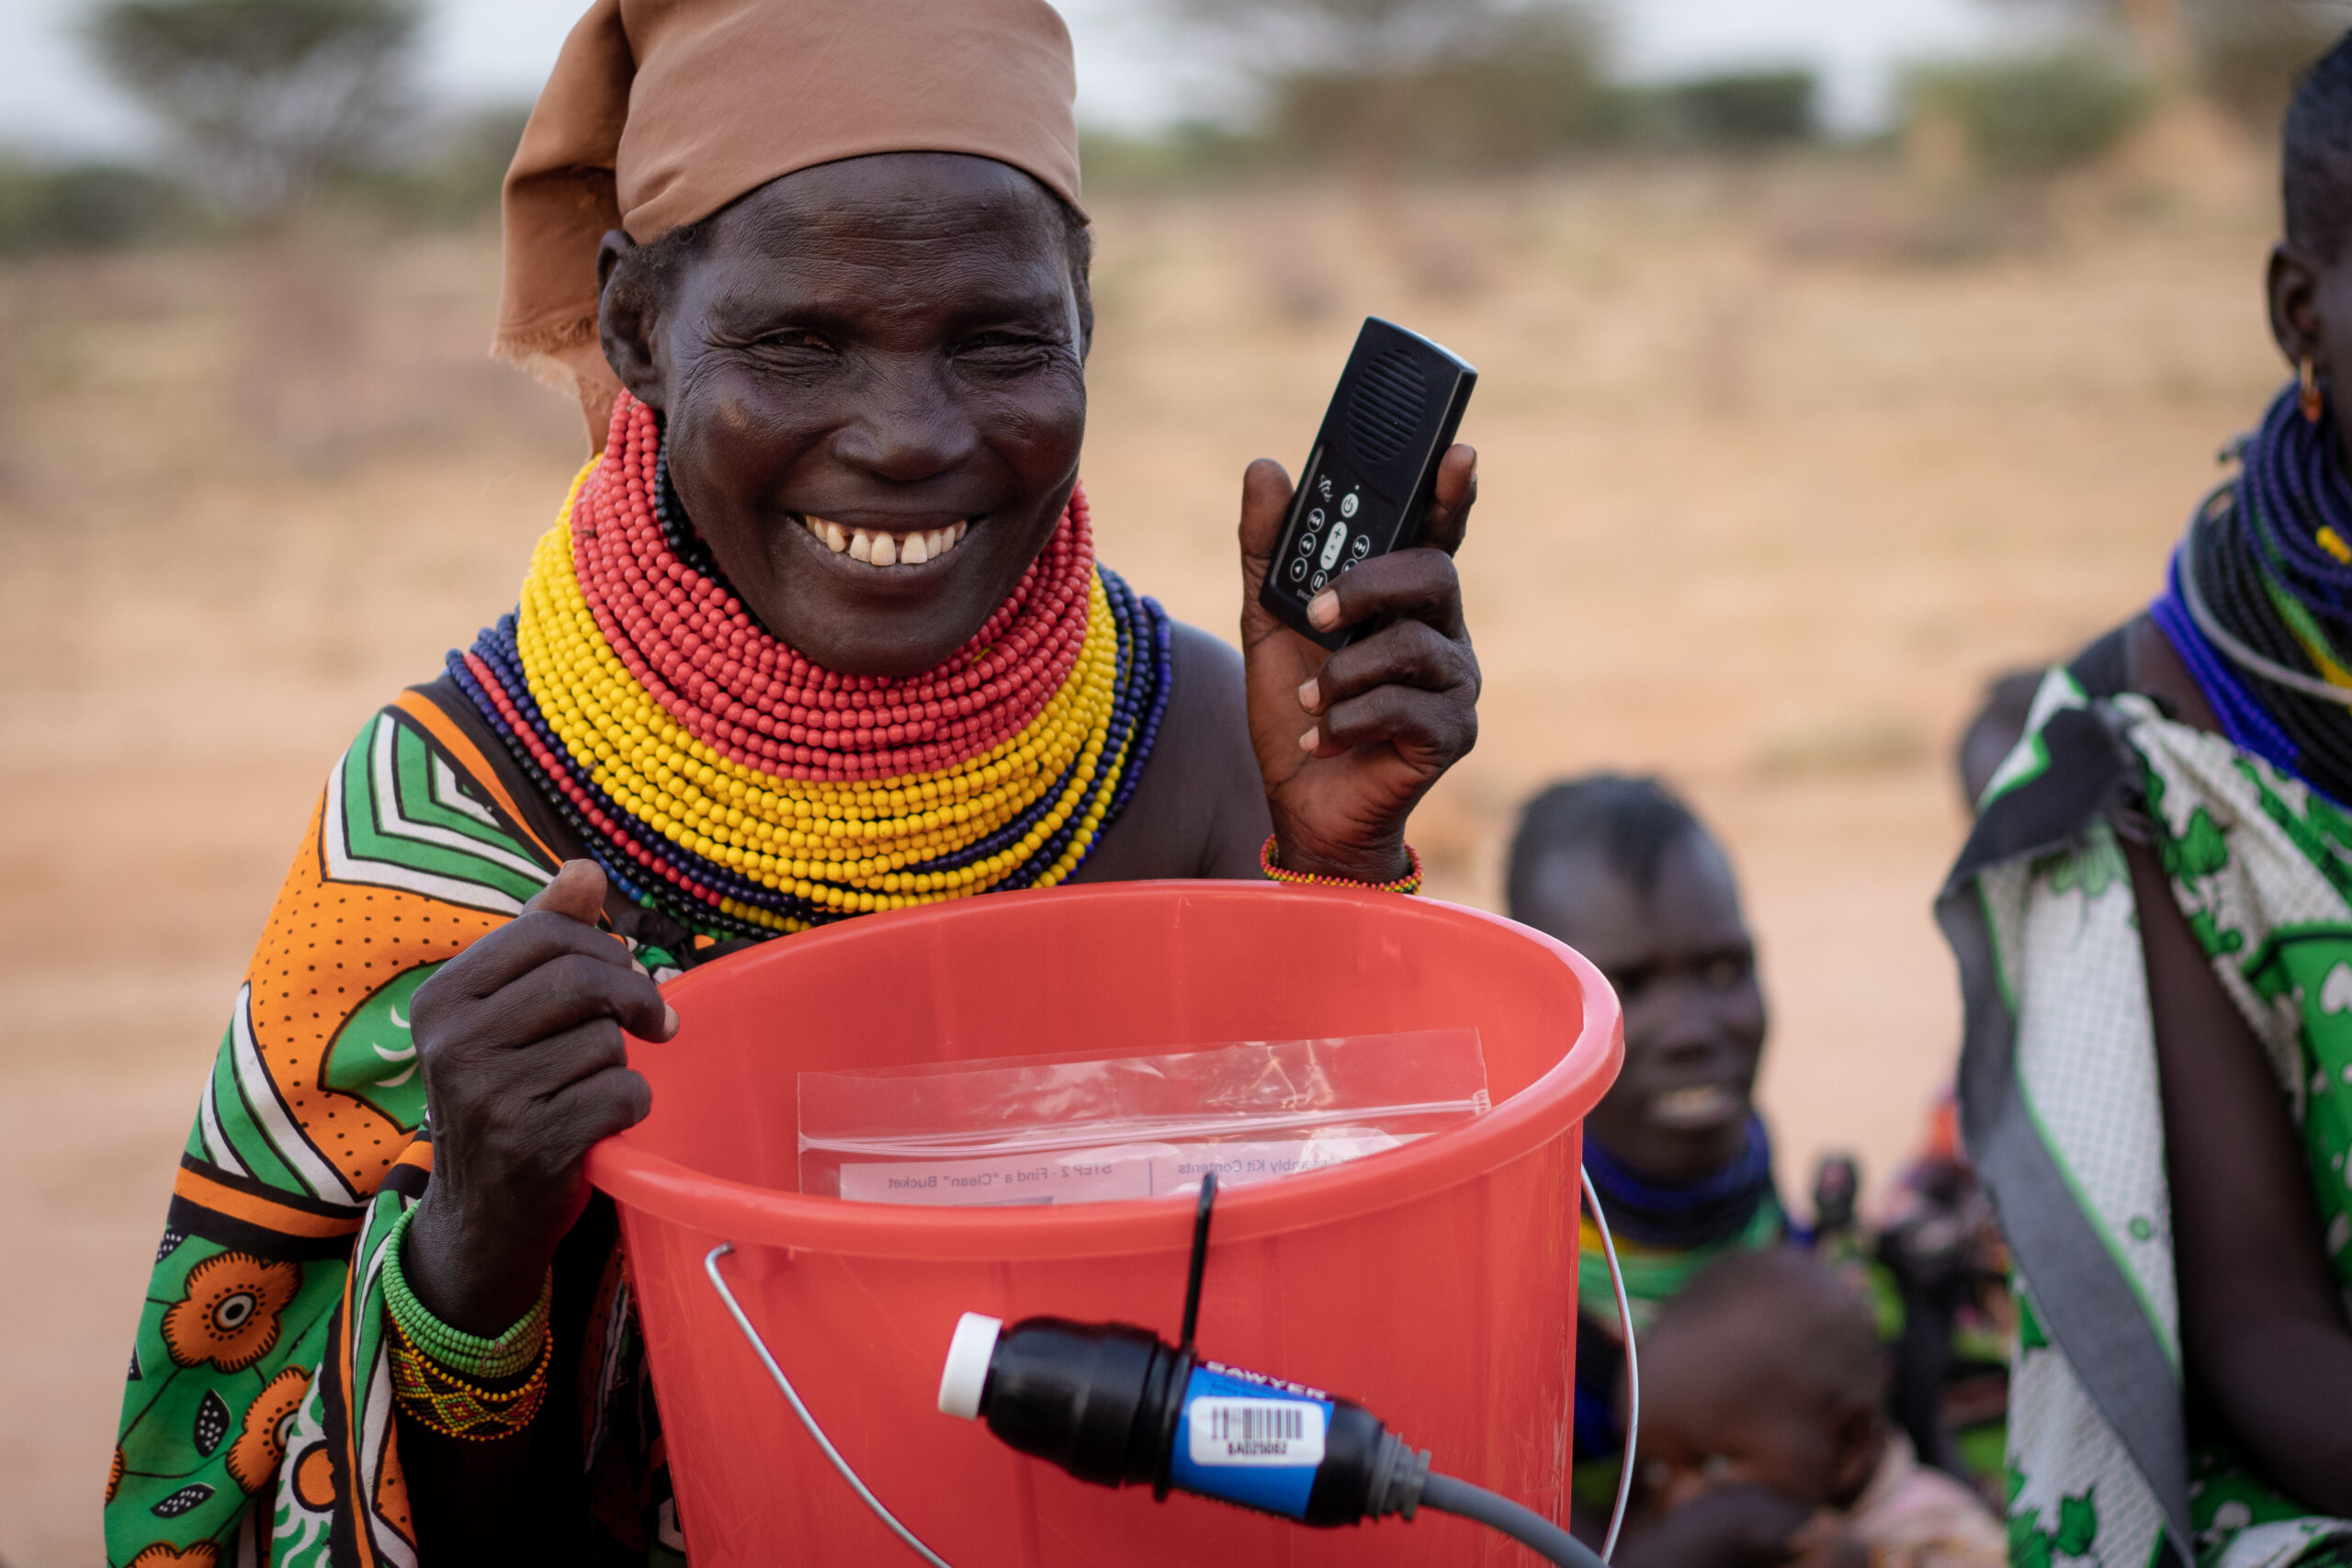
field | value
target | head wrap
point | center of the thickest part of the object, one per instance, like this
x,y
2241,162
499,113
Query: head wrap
x,y
661,112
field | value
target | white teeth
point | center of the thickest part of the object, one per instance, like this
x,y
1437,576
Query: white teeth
x,y
888,549
1699,1105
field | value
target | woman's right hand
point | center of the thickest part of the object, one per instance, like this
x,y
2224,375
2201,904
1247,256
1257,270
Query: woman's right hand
x,y
525,1066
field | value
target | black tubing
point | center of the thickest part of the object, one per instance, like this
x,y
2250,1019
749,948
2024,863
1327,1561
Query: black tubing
x,y
1449,1495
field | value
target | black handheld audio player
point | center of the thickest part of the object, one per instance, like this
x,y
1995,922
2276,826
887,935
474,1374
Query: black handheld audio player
x,y
1370,479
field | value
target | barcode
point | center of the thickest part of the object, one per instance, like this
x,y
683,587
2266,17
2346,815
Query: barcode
x,y
1259,1423
1228,1429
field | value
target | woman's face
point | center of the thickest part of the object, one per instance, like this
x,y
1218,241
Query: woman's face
x,y
1684,968
872,377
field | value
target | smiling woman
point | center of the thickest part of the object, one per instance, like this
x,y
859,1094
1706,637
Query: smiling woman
x,y
884,357
819,632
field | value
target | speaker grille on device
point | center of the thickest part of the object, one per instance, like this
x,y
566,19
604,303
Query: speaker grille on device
x,y
1386,408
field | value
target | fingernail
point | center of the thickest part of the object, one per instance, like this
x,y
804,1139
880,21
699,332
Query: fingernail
x,y
1309,694
1312,739
669,1018
1324,610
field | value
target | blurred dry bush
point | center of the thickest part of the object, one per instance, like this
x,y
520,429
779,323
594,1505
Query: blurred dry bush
x,y
449,172
1395,86
264,96
2248,53
2138,102
1734,111
294,124
2025,116
85,206
2244,55
1499,91
1386,85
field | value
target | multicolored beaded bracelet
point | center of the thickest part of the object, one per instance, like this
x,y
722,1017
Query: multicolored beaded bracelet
x,y
441,1400
431,1362
1409,883
470,1354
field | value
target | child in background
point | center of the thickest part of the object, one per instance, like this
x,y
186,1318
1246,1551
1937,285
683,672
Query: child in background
x,y
1621,871
1765,1440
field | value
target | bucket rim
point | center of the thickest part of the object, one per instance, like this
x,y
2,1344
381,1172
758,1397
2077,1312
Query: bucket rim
x,y
746,1214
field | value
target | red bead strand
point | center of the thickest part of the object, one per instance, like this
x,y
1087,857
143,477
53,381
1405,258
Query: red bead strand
x,y
734,687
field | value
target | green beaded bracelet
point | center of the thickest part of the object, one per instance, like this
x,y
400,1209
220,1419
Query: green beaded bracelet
x,y
510,1355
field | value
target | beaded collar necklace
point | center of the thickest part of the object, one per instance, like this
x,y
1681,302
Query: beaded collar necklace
x,y
2257,598
1711,1210
723,779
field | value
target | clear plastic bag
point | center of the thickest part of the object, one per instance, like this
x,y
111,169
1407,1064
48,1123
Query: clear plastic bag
x,y
1079,1128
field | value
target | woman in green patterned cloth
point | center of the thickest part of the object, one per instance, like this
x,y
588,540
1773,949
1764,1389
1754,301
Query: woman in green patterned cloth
x,y
2153,924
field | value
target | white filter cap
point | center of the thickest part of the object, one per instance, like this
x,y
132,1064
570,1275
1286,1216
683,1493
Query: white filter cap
x,y
966,1376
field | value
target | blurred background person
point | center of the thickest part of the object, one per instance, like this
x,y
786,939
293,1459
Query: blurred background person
x,y
1938,1241
1620,870
1765,1437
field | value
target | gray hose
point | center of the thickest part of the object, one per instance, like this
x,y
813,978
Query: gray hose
x,y
1450,1495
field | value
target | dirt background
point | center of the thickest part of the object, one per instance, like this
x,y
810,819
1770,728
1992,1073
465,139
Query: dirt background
x,y
1779,462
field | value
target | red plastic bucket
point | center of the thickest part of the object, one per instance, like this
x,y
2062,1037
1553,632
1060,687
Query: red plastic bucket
x,y
1435,1283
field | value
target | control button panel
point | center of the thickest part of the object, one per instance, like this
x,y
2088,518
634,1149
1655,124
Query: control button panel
x,y
1332,535
1326,545
1333,544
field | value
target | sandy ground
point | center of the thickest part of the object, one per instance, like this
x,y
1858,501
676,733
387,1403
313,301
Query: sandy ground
x,y
1777,466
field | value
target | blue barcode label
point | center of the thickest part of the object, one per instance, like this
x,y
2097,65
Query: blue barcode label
x,y
1250,1440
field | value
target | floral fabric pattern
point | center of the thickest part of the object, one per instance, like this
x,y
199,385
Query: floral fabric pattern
x,y
2064,1113
255,1425
228,1313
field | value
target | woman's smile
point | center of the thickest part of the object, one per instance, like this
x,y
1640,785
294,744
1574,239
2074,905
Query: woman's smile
x,y
882,545
1698,1107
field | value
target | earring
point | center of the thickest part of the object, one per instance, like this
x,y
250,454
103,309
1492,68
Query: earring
x,y
2307,384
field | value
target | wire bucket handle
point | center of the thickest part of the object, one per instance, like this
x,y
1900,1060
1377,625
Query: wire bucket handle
x,y
800,1408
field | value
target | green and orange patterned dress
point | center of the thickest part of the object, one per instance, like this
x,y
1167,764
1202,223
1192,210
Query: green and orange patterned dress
x,y
257,1423
260,1422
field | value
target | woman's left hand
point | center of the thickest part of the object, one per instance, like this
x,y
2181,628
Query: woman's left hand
x,y
1350,742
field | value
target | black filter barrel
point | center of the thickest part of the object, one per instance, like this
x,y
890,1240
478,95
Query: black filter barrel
x,y
1352,1472
1093,1398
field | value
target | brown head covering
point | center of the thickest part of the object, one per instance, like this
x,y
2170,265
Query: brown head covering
x,y
661,112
